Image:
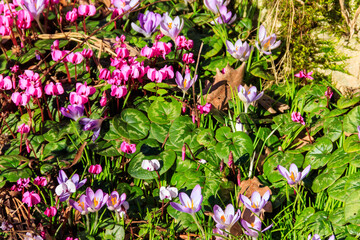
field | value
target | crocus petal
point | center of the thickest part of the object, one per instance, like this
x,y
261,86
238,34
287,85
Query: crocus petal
x,y
305,172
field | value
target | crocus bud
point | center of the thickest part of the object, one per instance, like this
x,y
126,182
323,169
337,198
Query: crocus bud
x,y
222,165
183,152
95,169
50,212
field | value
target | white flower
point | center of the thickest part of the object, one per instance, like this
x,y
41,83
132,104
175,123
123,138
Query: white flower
x,y
150,165
66,187
202,161
168,192
29,236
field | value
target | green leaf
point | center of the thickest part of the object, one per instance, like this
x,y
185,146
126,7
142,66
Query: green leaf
x,y
159,131
283,159
257,70
11,161
337,190
340,158
116,233
319,223
183,220
163,112
303,217
206,138
218,62
132,124
352,120
327,178
46,43
222,134
352,144
212,45
187,179
46,168
343,102
12,175
319,155
352,207
183,130
166,159
332,128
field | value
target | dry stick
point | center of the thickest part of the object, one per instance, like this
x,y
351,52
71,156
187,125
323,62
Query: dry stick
x,y
193,86
96,31
9,128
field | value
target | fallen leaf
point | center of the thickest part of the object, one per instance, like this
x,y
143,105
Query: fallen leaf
x,y
220,89
78,155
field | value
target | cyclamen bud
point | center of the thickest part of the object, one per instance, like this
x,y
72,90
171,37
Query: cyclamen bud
x,y
183,152
103,100
231,159
27,143
50,212
95,169
222,165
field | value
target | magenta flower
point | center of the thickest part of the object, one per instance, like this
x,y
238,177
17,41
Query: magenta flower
x,y
204,109
72,15
104,74
75,58
24,19
257,203
294,176
76,99
184,83
80,205
304,74
122,6
95,169
103,100
34,7
170,27
40,181
95,201
92,124
118,91
182,43
225,220
84,89
87,53
328,93
23,128
54,89
115,201
168,193
296,117
253,229
73,111
267,43
148,23
190,204
20,98
128,148
86,10
188,58
240,51
31,198
150,165
50,212
225,17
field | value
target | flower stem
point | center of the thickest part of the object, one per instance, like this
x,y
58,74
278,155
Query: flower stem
x,y
87,222
198,225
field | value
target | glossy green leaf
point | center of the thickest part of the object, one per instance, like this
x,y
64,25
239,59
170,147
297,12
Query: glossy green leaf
x,y
332,128
163,112
206,138
11,161
352,144
352,207
132,124
337,190
240,145
319,155
222,134
183,130
352,120
347,102
327,178
12,175
159,131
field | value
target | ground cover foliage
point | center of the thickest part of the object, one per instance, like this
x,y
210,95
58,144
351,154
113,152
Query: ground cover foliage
x,y
149,120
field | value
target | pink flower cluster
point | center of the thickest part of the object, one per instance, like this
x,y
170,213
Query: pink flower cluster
x,y
5,83
83,91
296,117
158,76
30,82
20,184
159,49
182,43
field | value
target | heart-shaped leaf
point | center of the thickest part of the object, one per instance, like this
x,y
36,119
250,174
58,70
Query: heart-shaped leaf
x,y
327,178
132,124
163,112
319,155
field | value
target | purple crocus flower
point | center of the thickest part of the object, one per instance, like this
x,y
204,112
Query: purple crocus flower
x,y
248,96
240,51
317,237
73,111
225,220
219,232
67,186
115,201
257,203
254,228
184,83
215,5
267,43
92,124
148,23
80,205
95,201
294,176
170,27
190,204
225,16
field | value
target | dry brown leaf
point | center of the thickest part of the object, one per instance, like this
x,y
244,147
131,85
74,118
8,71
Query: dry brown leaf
x,y
220,92
78,155
269,104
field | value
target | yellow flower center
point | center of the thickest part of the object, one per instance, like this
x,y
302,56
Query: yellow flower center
x,y
252,224
96,202
113,200
223,218
292,176
81,204
185,83
192,204
170,25
255,205
267,44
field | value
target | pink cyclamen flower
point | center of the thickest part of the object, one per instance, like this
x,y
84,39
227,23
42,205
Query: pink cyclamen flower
x,y
15,68
75,58
31,198
182,43
84,89
50,212
188,58
103,100
328,93
20,98
304,74
95,169
76,99
70,238
72,15
296,117
128,148
5,83
104,74
23,128
54,89
40,181
204,109
24,19
118,91
87,10
168,193
87,53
